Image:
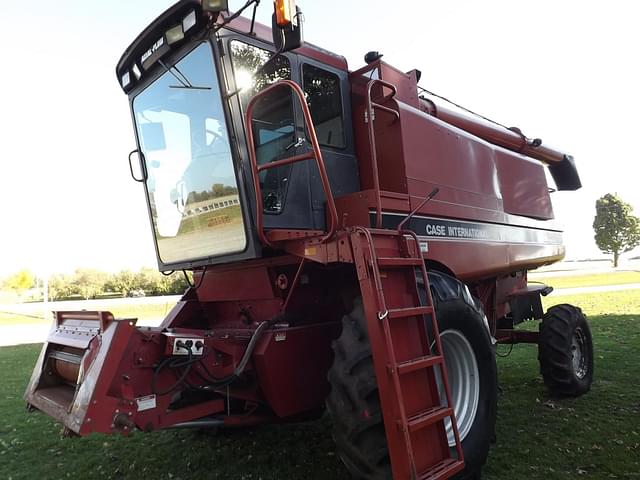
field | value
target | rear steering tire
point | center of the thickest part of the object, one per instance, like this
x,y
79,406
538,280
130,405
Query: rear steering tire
x,y
565,351
354,404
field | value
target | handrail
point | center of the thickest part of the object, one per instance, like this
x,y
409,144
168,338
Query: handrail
x,y
314,154
370,105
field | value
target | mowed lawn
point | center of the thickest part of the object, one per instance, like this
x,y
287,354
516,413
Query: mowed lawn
x,y
538,437
587,280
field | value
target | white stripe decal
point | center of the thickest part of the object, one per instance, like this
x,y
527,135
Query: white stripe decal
x,y
433,228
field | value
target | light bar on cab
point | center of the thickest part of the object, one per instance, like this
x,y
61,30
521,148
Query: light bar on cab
x,y
157,50
170,36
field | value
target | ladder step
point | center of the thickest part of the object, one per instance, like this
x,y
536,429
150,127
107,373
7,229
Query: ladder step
x,y
384,232
409,312
444,469
418,364
400,261
428,417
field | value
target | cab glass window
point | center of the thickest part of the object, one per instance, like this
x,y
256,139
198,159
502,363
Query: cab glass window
x,y
192,188
322,91
273,117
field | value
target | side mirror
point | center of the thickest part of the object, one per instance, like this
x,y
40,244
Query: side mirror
x,y
286,25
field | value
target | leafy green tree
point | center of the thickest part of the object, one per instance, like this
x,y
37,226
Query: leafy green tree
x,y
617,230
20,281
62,286
89,282
124,282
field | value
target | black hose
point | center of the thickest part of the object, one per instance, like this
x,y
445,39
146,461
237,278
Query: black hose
x,y
176,363
156,372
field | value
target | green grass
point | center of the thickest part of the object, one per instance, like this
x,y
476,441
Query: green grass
x,y
140,311
590,280
595,436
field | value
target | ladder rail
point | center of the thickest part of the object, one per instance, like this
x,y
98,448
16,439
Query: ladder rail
x,y
431,360
438,343
382,308
383,316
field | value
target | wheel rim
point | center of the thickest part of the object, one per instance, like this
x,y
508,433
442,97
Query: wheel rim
x,y
464,382
578,346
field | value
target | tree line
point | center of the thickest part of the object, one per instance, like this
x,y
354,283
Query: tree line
x,y
91,283
217,190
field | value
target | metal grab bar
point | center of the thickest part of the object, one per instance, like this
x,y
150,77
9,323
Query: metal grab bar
x,y
314,154
370,105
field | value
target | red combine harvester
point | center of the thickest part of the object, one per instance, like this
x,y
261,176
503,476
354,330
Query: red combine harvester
x,y
355,246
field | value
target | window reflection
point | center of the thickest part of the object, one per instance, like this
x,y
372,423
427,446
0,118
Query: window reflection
x,y
273,118
322,91
191,182
247,59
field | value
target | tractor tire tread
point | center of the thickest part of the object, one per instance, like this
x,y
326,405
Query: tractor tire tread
x,y
554,351
353,401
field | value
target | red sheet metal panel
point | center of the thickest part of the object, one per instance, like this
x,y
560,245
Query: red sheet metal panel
x,y
292,366
523,185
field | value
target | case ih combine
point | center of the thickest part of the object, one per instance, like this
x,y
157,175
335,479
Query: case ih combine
x,y
355,246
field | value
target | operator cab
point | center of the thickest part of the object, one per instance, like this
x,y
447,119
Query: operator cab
x,y
190,76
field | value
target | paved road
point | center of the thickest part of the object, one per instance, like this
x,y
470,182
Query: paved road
x,y
39,307
21,334
37,332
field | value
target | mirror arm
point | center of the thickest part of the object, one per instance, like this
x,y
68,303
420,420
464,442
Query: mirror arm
x,y
253,18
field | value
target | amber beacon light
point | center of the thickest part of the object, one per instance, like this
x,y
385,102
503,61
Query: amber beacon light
x,y
285,11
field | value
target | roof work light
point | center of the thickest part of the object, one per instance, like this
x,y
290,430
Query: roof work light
x,y
174,34
285,12
215,5
189,21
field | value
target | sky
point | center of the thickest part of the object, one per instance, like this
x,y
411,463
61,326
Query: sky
x,y
566,72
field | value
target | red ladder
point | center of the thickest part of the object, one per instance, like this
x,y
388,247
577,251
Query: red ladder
x,y
405,358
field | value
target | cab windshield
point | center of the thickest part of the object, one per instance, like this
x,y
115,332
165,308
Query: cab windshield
x,y
191,180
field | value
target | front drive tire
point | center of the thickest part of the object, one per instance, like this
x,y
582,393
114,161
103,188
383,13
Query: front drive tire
x,y
565,351
354,404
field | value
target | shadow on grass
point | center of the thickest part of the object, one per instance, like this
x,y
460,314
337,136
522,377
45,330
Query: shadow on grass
x,y
597,435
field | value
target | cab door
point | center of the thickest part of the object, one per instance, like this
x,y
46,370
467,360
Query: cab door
x,y
292,195
328,97
278,133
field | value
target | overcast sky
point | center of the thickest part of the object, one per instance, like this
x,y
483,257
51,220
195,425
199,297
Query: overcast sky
x,y
566,72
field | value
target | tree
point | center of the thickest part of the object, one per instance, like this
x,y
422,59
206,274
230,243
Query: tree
x,y
617,230
61,286
89,282
21,281
124,282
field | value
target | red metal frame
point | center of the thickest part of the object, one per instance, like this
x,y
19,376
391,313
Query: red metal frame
x,y
315,154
